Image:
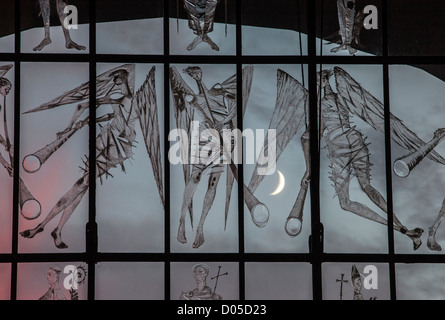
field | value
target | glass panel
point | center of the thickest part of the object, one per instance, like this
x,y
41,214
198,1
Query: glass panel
x,y
276,106
198,281
278,281
55,27
198,109
130,281
130,158
352,169
271,28
356,281
53,151
414,27
417,106
420,281
5,280
135,27
349,27
55,281
7,27
202,27
6,153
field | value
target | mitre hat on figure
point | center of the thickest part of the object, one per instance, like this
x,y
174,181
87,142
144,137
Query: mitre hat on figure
x,y
354,273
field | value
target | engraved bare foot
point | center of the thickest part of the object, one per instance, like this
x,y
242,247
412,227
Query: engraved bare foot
x,y
352,50
43,44
212,44
339,48
181,233
415,235
72,45
431,243
199,239
58,239
31,232
195,42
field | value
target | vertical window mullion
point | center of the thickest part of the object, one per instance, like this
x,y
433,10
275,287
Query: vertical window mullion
x,y
91,228
167,259
315,243
240,119
16,164
388,159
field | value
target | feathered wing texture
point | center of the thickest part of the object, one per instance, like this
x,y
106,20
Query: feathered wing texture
x,y
104,85
365,106
147,111
184,114
288,118
75,95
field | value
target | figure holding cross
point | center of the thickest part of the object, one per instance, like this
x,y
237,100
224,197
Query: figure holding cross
x,y
202,291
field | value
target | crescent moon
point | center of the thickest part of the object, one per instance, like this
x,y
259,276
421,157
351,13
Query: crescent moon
x,y
281,184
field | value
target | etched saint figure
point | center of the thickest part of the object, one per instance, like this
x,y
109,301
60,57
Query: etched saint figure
x,y
54,291
202,290
356,281
45,12
357,285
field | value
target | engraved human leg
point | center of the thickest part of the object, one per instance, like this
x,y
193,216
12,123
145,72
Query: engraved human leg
x,y
198,39
189,191
68,202
56,234
212,44
362,172
432,243
208,202
45,10
342,189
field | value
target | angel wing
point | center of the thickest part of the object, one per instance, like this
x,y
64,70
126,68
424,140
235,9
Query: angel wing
x,y
146,108
288,118
104,85
365,106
